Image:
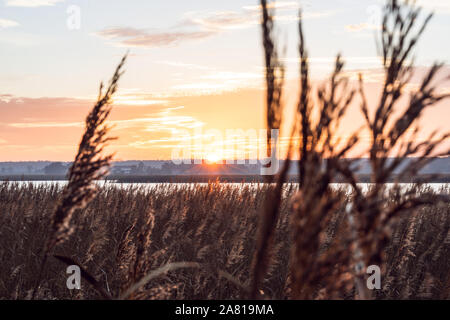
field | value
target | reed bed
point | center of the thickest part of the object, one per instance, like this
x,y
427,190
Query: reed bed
x,y
213,225
369,217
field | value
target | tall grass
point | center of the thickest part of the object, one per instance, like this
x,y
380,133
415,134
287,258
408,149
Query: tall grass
x,y
370,216
213,225
89,165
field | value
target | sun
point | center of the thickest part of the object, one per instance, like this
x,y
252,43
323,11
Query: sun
x,y
213,158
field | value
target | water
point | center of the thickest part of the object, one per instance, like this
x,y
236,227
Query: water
x,y
436,187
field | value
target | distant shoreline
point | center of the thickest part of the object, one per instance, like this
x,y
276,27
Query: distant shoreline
x,y
363,178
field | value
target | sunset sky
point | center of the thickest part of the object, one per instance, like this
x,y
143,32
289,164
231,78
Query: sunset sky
x,y
193,65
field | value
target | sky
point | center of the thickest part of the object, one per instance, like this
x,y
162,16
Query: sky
x,y
193,67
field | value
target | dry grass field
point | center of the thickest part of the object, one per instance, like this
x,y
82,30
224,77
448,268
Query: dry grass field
x,y
124,234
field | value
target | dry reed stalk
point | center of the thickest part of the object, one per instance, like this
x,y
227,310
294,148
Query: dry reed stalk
x,y
90,279
227,221
89,165
140,266
317,142
126,254
274,70
320,154
266,229
156,273
374,215
274,76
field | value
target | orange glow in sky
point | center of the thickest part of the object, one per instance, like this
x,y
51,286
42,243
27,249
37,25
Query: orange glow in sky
x,y
194,65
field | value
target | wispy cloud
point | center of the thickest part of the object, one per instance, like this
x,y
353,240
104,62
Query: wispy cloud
x,y
361,27
165,121
278,5
6,97
234,76
219,82
28,125
250,16
5,23
135,97
184,65
196,25
219,20
324,65
439,6
131,37
162,120
31,3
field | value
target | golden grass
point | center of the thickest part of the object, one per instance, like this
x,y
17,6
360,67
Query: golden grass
x,y
213,225
370,215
